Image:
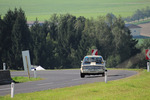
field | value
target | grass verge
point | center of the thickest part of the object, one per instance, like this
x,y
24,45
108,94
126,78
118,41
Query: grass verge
x,y
22,79
132,88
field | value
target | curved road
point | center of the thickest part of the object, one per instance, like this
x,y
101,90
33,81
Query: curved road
x,y
59,79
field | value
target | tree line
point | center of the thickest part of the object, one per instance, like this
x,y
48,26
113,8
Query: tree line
x,y
63,40
139,14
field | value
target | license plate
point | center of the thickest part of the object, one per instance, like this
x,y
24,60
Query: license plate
x,y
92,70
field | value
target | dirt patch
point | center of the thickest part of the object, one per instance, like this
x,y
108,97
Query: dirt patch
x,y
145,29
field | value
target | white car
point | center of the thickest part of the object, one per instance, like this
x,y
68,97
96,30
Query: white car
x,y
92,65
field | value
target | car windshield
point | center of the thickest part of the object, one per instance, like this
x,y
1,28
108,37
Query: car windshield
x,y
88,60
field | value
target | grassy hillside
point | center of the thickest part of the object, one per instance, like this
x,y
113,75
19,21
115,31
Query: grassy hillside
x,y
133,88
42,9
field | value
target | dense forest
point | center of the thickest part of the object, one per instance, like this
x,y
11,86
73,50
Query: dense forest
x,y
63,40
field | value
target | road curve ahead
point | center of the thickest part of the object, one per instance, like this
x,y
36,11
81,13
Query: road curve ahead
x,y
59,79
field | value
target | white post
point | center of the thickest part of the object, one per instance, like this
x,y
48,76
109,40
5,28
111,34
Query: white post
x,y
105,76
4,66
148,64
12,89
35,73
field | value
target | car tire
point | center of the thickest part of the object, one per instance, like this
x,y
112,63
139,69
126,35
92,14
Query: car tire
x,y
82,75
103,74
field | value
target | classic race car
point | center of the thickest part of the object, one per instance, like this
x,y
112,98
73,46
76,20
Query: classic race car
x,y
92,65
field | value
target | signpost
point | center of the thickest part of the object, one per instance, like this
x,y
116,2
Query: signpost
x,y
147,53
105,76
147,66
94,52
26,61
4,66
12,89
35,76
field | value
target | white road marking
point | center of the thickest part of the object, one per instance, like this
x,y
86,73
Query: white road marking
x,y
45,84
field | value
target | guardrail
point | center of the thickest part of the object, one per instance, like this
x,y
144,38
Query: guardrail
x,y
5,77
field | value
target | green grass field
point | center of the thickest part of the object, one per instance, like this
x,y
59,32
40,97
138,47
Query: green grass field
x,y
43,9
132,88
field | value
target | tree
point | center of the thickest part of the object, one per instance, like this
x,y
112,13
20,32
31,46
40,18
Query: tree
x,y
139,14
53,27
147,11
42,45
87,39
8,22
64,40
141,62
14,37
123,42
110,18
36,34
84,46
1,42
65,33
20,39
104,36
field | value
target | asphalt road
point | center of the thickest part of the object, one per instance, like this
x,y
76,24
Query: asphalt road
x,y
59,79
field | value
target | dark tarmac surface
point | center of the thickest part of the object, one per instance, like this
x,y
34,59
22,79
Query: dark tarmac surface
x,y
59,79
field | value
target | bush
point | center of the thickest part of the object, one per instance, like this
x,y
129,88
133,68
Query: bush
x,y
113,61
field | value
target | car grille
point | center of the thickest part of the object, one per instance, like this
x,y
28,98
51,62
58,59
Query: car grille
x,y
93,67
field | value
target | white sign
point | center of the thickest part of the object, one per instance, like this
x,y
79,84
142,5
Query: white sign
x,y
26,60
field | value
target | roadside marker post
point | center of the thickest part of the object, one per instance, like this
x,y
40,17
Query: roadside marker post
x,y
4,66
12,89
35,76
105,76
148,66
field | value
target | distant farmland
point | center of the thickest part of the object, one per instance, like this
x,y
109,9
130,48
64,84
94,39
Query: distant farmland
x,y
43,9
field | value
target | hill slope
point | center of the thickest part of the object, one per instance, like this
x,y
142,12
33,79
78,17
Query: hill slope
x,y
145,29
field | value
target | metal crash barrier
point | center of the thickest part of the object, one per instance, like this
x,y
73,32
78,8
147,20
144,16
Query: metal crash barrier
x,y
5,77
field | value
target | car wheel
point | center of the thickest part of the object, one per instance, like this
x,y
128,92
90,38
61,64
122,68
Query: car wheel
x,y
82,75
103,74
